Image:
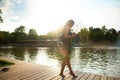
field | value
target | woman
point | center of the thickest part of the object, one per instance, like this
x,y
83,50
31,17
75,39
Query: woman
x,y
66,48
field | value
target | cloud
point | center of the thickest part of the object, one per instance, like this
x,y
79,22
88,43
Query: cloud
x,y
9,9
51,14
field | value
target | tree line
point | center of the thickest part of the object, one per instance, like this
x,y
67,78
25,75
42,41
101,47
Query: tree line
x,y
99,34
85,35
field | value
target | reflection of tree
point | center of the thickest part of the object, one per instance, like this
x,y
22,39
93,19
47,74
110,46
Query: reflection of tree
x,y
99,57
4,51
54,52
18,52
32,52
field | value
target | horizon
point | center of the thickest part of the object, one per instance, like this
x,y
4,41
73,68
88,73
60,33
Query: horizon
x,y
45,16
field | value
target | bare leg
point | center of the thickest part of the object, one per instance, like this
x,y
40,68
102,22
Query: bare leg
x,y
69,66
63,66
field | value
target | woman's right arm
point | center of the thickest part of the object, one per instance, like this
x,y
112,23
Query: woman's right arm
x,y
66,35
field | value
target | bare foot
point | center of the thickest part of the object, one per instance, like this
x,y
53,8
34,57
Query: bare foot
x,y
74,76
62,75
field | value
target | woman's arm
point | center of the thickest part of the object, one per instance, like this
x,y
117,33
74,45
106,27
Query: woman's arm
x,y
67,30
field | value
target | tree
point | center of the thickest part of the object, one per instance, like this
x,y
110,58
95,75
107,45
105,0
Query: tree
x,y
111,35
33,34
4,37
83,34
1,20
20,29
18,34
43,37
96,34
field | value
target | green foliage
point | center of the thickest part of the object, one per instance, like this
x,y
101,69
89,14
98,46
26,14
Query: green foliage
x,y
20,29
111,35
5,63
4,37
83,34
97,34
16,36
33,34
1,20
43,37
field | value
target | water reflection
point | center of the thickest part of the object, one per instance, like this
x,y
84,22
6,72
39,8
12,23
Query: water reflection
x,y
96,60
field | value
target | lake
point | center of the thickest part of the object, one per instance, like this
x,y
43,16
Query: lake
x,y
100,60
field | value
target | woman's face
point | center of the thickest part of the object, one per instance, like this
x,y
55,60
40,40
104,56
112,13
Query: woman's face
x,y
71,25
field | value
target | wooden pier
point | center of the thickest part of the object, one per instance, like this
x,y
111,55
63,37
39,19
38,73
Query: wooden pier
x,y
29,71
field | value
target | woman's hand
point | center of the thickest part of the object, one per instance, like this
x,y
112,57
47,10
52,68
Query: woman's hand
x,y
73,35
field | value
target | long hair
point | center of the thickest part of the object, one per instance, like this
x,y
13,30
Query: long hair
x,y
69,23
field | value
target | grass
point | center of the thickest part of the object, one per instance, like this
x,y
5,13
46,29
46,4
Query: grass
x,y
5,63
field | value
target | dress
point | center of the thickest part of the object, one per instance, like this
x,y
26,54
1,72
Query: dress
x,y
67,44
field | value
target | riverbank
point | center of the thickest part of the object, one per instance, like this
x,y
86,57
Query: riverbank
x,y
58,45
99,44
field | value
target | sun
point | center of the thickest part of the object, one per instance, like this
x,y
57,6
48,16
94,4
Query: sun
x,y
41,18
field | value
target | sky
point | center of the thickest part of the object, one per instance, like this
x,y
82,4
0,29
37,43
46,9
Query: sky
x,y
48,15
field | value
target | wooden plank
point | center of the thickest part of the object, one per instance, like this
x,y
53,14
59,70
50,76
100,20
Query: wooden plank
x,y
110,78
47,76
71,77
14,68
52,76
84,77
91,77
117,78
33,77
49,73
104,77
40,74
55,77
97,77
16,73
59,77
80,75
28,73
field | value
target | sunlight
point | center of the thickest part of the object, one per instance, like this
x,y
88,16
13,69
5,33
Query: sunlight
x,y
41,18
43,59
46,16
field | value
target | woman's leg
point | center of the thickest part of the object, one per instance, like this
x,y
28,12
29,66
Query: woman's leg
x,y
69,66
64,61
62,67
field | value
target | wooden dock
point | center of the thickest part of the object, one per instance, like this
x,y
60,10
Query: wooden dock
x,y
29,71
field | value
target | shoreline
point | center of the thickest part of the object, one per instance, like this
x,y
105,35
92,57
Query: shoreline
x,y
56,45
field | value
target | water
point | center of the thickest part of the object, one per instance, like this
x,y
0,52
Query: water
x,y
100,60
